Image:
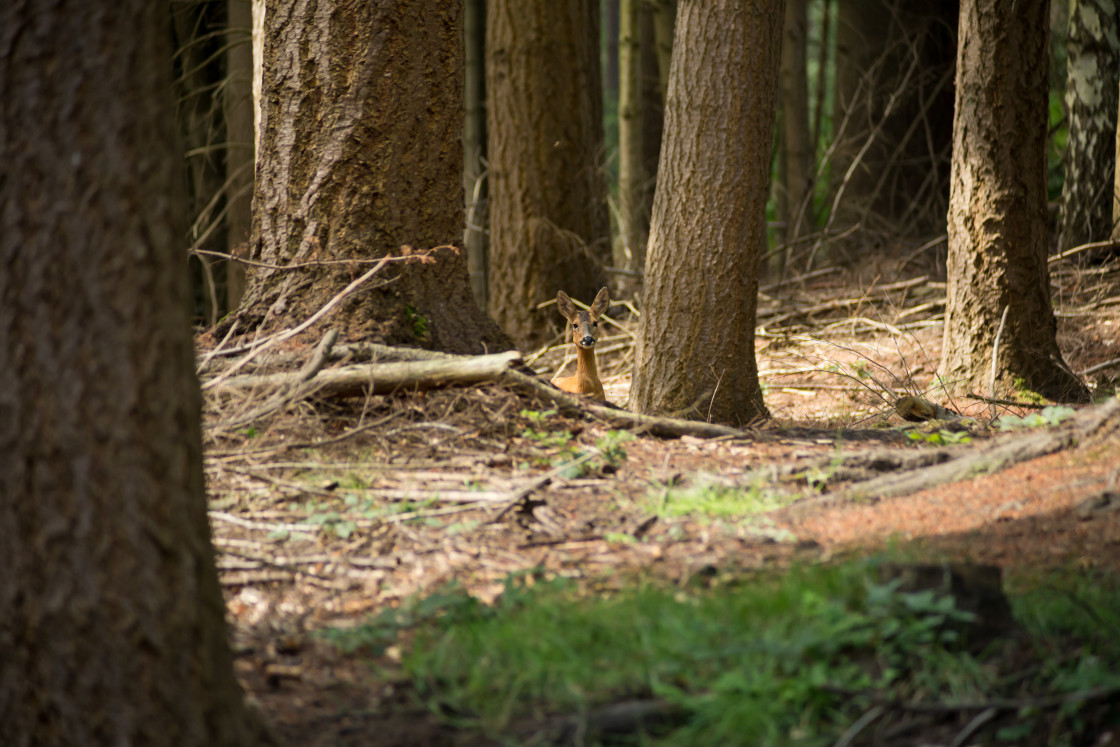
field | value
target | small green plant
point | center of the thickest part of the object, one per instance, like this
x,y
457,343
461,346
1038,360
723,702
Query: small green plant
x,y
1048,416
610,447
418,322
940,437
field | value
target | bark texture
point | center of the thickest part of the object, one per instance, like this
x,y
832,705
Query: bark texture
x,y
361,154
997,213
1092,80
549,226
695,346
113,628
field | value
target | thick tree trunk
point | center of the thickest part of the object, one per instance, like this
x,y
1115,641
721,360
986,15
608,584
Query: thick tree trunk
x,y
695,346
997,214
361,155
113,627
549,226
1092,78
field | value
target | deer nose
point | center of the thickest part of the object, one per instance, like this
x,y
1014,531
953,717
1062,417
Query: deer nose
x,y
587,341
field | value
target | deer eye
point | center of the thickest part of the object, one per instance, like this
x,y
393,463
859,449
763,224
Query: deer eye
x,y
575,326
594,324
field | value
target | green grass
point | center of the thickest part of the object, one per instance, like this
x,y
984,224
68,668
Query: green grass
x,y
792,659
705,498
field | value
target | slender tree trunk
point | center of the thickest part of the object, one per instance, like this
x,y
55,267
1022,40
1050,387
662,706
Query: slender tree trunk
x,y
474,145
1092,78
113,629
1115,233
361,155
796,154
664,21
238,100
997,214
199,72
549,226
695,345
630,174
653,118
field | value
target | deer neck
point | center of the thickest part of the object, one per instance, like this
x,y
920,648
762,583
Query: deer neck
x,y
587,372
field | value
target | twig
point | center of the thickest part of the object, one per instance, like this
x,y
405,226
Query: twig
x,y
1083,248
861,723
995,357
618,418
1100,367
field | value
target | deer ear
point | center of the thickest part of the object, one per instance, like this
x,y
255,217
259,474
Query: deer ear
x,y
565,305
602,301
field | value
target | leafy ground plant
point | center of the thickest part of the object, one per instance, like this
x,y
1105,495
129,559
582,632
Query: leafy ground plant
x,y
792,660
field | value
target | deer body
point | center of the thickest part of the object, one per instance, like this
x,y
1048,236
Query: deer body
x,y
582,331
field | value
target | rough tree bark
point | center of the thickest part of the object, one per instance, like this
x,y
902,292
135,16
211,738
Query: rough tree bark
x,y
113,627
549,225
695,345
997,212
1092,79
361,154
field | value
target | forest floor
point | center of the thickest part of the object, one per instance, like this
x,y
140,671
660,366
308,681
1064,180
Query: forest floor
x,y
327,511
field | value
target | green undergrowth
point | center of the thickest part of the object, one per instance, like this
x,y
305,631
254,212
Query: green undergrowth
x,y
794,658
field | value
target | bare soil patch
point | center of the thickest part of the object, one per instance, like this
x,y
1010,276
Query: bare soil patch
x,y
330,510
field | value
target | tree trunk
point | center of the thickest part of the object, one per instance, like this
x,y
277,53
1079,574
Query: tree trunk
x,y
695,346
113,627
664,21
361,155
997,214
796,153
474,145
1115,233
199,72
549,226
892,117
1092,79
630,174
238,100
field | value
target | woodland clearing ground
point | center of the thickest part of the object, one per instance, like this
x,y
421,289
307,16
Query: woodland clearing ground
x,y
403,500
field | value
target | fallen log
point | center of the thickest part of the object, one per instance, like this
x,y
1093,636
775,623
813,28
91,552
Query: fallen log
x,y
385,378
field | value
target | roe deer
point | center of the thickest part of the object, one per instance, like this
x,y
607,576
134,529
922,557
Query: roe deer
x,y
582,332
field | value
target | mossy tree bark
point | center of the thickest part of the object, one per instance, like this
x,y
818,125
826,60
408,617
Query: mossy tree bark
x,y
695,345
113,626
361,154
549,225
997,213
